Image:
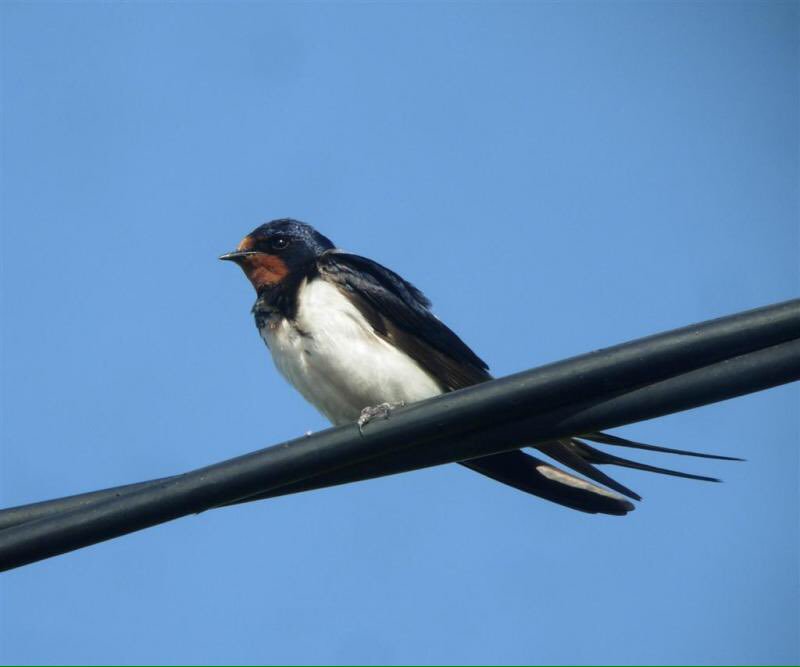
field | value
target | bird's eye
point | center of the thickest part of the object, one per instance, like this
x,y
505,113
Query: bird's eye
x,y
279,243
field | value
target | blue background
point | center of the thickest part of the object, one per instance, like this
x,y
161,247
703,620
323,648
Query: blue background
x,y
556,177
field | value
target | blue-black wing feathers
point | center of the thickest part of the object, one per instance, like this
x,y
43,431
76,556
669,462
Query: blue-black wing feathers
x,y
399,312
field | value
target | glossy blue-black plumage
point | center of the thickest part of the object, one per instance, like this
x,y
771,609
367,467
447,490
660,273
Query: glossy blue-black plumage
x,y
304,238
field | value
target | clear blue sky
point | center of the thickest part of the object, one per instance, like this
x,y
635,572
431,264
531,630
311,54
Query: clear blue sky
x,y
556,177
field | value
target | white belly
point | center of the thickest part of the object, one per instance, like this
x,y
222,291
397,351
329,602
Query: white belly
x,y
336,361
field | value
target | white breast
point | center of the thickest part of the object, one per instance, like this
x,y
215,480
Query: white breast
x,y
334,359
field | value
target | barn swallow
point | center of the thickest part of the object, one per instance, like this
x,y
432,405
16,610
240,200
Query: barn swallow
x,y
353,338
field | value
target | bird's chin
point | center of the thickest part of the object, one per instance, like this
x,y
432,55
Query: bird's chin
x,y
264,271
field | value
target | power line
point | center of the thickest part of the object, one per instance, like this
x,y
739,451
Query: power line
x,y
642,379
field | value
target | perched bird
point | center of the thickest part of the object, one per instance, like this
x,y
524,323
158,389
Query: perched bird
x,y
354,338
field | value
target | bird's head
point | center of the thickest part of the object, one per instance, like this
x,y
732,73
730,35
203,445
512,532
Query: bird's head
x,y
276,250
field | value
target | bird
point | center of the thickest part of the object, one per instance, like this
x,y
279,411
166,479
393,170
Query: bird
x,y
356,340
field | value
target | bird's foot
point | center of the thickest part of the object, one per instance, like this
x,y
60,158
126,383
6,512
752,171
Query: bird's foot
x,y
381,411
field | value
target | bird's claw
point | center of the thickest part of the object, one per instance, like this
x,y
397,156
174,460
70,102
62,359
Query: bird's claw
x,y
382,411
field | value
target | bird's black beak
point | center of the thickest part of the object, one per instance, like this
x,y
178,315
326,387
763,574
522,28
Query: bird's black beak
x,y
244,249
237,255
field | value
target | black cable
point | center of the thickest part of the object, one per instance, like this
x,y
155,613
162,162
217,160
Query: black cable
x,y
644,360
638,380
681,349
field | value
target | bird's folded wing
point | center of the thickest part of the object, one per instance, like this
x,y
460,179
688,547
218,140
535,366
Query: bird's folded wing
x,y
400,313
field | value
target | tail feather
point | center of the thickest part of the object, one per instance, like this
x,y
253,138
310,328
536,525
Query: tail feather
x,y
568,454
527,473
539,478
608,439
589,453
